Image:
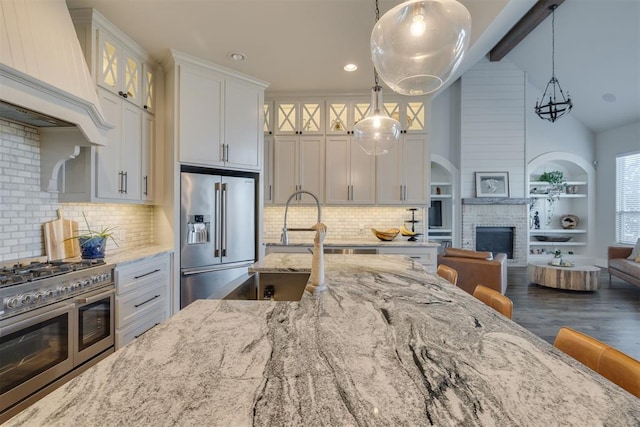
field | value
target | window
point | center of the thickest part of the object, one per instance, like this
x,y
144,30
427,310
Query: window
x,y
628,198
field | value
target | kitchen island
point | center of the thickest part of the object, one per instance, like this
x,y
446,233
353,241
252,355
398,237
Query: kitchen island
x,y
387,344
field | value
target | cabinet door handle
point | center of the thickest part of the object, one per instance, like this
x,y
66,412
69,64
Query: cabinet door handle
x,y
270,196
123,94
146,182
147,301
146,274
120,182
126,183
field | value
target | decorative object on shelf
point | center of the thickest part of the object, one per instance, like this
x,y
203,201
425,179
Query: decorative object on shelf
x,y
556,107
555,178
558,239
93,243
337,125
492,184
569,221
571,189
386,235
418,45
438,191
377,133
536,221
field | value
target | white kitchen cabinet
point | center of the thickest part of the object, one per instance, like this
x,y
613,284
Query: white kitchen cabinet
x,y
119,69
299,117
124,75
219,117
298,165
142,296
118,163
267,126
402,173
147,170
199,119
425,255
412,113
267,175
343,114
349,172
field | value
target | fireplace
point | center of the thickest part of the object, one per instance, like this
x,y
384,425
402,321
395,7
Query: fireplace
x,y
495,239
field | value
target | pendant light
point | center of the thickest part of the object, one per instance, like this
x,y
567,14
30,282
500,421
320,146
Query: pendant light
x,y
417,45
558,104
377,133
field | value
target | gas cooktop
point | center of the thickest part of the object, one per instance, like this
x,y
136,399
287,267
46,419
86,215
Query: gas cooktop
x,y
35,270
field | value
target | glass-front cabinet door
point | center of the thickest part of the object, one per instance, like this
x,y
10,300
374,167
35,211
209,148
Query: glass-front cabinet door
x,y
267,126
119,70
343,115
411,113
148,88
299,117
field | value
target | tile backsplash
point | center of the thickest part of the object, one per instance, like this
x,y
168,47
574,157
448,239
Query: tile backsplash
x,y
24,207
342,222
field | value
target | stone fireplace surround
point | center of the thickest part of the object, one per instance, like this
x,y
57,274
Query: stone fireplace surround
x,y
497,212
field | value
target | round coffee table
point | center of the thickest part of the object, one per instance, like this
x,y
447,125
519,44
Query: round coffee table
x,y
574,278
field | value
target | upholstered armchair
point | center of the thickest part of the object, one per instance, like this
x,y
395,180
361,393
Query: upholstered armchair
x,y
476,268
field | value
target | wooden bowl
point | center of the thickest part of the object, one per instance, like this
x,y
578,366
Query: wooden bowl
x,y
386,235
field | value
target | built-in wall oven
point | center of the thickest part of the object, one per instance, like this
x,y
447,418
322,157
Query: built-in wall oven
x,y
52,328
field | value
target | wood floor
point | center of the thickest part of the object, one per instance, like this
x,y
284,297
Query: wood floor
x,y
610,314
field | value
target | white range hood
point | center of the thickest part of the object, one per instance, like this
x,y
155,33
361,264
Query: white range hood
x,y
45,81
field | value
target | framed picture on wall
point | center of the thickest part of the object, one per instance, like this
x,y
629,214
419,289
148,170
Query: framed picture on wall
x,y
492,184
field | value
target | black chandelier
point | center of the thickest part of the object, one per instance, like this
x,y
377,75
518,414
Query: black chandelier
x,y
557,106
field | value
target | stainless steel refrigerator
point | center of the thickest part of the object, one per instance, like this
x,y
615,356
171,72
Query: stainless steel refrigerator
x,y
218,233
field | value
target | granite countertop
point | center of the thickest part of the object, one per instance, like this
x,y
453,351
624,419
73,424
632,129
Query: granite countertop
x,y
387,344
124,256
364,242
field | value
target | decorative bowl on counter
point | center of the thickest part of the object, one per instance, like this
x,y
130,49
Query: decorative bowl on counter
x,y
386,235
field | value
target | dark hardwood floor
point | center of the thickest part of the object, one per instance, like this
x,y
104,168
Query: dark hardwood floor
x,y
610,314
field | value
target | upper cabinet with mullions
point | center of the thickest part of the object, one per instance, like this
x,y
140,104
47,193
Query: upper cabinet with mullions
x,y
412,113
304,117
343,114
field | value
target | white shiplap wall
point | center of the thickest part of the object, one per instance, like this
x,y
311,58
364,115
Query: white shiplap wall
x,y
493,125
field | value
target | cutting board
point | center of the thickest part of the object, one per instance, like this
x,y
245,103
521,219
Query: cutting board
x,y
55,233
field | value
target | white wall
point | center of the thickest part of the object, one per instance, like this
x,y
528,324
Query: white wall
x,y
444,128
565,134
492,125
610,144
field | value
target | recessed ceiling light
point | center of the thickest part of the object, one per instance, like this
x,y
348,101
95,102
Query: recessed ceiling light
x,y
235,56
609,97
350,67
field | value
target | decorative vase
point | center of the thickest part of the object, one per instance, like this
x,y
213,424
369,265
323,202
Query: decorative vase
x,y
92,247
569,221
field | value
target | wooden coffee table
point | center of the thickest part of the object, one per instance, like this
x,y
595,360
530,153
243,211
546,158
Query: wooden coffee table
x,y
575,278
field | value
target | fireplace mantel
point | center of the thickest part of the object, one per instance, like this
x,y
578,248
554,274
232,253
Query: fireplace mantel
x,y
495,201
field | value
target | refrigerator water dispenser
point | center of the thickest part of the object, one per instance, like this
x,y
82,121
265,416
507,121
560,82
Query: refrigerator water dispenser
x,y
197,230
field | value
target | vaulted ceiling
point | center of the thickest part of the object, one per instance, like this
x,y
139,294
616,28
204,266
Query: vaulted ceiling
x,y
302,45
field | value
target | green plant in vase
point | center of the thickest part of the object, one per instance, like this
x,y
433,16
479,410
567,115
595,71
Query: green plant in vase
x,y
556,180
93,243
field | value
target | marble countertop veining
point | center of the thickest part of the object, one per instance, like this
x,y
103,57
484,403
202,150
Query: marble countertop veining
x,y
387,344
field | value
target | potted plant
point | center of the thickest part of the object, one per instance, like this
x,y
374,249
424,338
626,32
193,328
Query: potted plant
x,y
556,180
93,243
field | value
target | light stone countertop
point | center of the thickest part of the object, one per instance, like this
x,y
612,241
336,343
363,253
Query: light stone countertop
x,y
388,344
123,256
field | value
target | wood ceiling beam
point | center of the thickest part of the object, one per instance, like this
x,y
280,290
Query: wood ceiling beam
x,y
525,25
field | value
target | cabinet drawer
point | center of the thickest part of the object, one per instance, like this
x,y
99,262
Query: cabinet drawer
x,y
152,297
134,330
137,274
424,255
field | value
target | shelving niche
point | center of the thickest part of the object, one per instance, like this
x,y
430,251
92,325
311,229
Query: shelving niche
x,y
443,196
573,197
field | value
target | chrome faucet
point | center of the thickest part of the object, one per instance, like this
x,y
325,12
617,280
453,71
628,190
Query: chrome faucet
x,y
284,237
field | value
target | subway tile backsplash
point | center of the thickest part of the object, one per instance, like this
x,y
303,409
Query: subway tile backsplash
x,y
24,207
342,222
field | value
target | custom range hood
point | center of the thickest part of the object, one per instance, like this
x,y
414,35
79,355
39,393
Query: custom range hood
x,y
45,82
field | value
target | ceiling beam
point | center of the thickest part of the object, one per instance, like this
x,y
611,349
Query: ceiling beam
x,y
525,25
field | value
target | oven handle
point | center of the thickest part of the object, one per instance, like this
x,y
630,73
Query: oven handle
x,y
37,319
91,300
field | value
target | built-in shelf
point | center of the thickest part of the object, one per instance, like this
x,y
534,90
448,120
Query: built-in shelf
x,y
440,184
440,196
535,232
536,243
561,195
567,183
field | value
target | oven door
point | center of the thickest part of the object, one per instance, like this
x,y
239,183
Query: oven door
x,y
36,349
95,324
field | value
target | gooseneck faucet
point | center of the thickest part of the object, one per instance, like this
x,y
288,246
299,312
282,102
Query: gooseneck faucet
x,y
284,237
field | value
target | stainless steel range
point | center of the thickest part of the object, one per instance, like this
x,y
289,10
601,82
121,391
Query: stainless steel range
x,y
56,319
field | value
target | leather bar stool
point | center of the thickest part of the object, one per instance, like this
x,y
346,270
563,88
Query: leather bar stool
x,y
447,273
609,362
494,299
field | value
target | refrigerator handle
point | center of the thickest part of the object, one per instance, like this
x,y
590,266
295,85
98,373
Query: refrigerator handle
x,y
223,220
217,229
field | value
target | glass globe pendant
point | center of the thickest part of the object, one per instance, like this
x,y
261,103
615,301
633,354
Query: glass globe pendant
x,y
417,45
377,133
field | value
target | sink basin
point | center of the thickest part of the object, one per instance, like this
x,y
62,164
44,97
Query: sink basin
x,y
269,286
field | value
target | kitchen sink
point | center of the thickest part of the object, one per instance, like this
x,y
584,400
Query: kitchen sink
x,y
287,286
